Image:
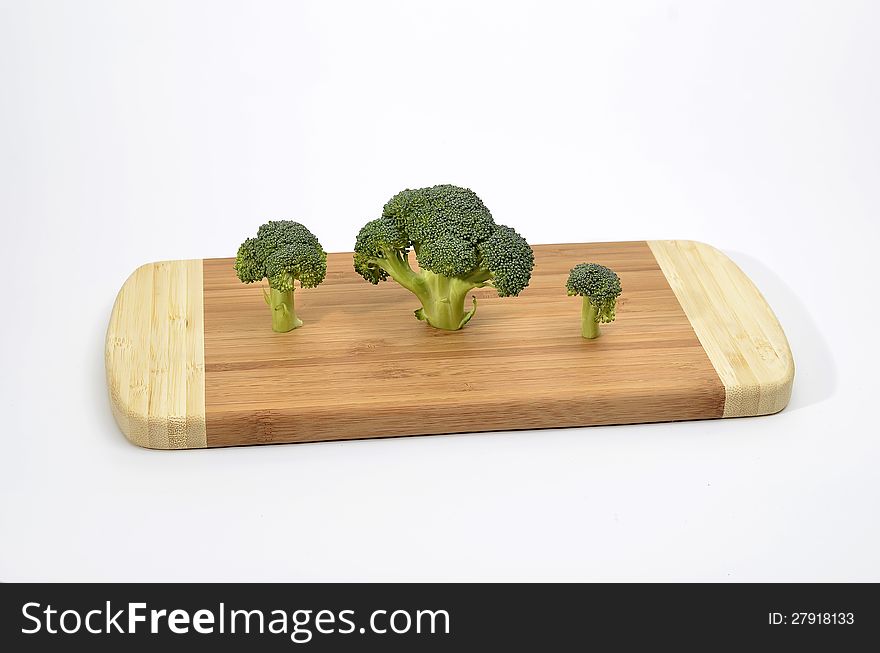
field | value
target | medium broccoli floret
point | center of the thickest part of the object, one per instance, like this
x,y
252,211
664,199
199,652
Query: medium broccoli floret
x,y
600,288
457,245
283,252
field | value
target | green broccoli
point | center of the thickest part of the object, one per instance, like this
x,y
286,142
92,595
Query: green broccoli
x,y
282,252
600,288
457,245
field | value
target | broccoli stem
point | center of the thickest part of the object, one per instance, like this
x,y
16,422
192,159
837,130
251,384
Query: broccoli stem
x,y
589,319
284,317
443,300
396,264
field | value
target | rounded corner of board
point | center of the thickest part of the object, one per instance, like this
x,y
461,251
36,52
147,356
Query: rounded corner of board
x,y
154,356
734,323
768,397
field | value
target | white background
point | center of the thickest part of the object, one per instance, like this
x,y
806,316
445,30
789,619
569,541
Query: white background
x,y
139,131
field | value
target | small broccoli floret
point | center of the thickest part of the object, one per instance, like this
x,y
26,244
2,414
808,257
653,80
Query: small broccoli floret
x,y
457,245
600,288
447,255
378,239
509,259
283,252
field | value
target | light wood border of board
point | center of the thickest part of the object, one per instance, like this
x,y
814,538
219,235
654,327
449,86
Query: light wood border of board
x,y
155,356
733,322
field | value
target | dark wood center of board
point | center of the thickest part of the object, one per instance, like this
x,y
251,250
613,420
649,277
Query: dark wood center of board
x,y
363,366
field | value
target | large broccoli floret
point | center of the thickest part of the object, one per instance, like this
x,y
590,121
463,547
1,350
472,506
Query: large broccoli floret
x,y
283,252
600,288
457,245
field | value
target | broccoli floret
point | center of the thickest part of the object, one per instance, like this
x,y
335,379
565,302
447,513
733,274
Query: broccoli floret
x,y
600,288
379,239
283,252
458,247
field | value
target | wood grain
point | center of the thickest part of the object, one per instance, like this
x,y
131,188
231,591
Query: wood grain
x,y
155,357
363,366
734,323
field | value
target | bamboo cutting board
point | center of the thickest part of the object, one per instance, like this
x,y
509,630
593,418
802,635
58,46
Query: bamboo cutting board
x,y
192,360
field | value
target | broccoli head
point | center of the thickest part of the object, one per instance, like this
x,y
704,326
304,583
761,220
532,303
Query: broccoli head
x,y
283,252
600,288
458,247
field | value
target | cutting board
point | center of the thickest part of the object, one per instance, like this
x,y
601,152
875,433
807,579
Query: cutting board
x,y
192,360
